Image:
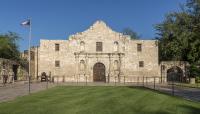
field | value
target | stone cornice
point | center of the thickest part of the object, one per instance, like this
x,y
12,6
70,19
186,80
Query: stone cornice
x,y
109,54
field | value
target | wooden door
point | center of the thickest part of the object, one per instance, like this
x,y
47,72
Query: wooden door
x,y
99,73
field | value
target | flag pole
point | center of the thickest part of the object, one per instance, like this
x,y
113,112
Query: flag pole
x,y
29,68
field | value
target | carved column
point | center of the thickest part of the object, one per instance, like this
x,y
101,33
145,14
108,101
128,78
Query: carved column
x,y
122,66
76,65
119,75
86,65
109,68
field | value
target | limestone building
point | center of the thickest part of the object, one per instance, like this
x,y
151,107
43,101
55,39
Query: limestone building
x,y
12,67
97,54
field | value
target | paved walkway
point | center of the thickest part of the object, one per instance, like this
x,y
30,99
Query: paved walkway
x,y
188,93
11,91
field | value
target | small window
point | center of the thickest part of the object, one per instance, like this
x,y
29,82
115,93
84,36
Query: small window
x,y
99,46
57,63
139,47
141,63
57,47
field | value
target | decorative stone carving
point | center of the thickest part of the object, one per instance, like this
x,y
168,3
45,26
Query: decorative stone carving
x,y
82,46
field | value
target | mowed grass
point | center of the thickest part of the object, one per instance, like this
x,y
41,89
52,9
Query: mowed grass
x,y
99,100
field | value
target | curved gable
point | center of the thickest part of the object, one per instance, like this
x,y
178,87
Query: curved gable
x,y
99,30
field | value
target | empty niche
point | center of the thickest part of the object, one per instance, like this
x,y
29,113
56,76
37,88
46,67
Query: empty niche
x,y
82,46
116,46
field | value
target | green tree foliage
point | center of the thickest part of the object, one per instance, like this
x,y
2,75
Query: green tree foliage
x,y
131,33
179,34
8,46
173,36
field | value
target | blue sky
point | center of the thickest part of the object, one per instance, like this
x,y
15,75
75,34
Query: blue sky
x,y
57,19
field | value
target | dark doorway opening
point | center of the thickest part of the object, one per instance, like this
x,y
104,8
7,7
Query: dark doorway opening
x,y
15,67
175,74
99,73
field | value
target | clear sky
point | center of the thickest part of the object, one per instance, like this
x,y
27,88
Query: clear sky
x,y
57,19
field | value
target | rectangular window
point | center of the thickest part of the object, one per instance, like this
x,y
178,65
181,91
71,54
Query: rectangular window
x,y
139,47
99,46
57,47
57,63
141,63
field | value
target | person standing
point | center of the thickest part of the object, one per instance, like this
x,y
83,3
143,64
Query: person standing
x,y
11,76
5,76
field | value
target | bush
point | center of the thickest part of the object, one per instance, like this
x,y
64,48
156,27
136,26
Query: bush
x,y
197,79
194,71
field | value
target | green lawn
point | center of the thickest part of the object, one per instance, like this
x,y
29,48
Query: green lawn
x,y
99,100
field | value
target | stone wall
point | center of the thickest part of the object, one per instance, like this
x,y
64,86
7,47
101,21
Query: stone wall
x,y
34,61
117,49
182,65
12,66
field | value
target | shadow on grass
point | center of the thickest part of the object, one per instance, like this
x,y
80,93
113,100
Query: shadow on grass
x,y
149,89
157,112
190,109
183,108
186,109
156,91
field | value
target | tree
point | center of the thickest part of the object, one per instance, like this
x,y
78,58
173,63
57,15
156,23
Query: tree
x,y
179,35
194,11
173,36
9,48
131,33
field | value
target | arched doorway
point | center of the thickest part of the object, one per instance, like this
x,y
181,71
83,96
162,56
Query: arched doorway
x,y
15,67
99,73
175,74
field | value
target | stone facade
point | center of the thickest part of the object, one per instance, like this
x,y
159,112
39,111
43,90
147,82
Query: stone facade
x,y
178,69
34,61
122,58
12,67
